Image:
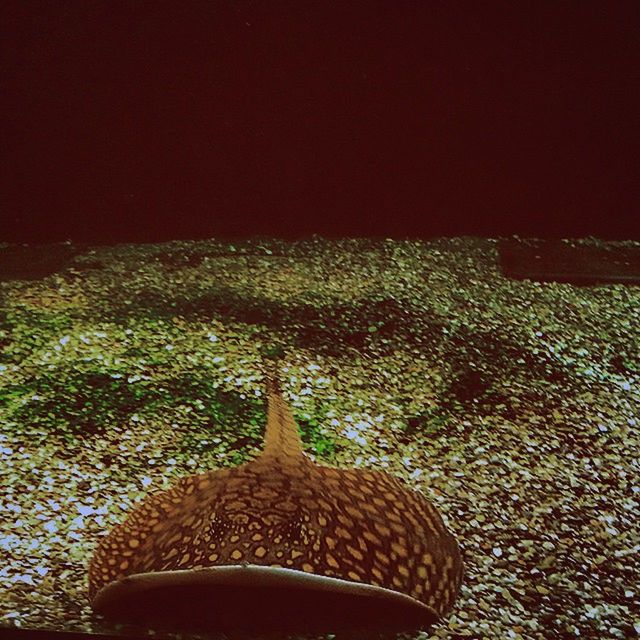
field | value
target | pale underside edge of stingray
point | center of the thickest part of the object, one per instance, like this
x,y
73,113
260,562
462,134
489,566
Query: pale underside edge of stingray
x,y
251,575
361,605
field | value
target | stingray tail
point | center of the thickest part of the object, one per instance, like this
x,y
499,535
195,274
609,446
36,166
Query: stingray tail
x,y
272,357
282,437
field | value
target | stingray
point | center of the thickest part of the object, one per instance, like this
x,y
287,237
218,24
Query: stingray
x,y
281,543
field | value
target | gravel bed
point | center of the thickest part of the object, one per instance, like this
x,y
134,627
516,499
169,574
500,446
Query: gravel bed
x,y
513,405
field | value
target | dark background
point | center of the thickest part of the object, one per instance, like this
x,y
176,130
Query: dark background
x,y
148,121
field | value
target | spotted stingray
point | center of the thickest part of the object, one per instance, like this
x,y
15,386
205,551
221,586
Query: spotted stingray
x,y
279,541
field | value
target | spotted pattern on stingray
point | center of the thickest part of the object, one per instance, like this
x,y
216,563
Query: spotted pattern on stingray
x,y
283,510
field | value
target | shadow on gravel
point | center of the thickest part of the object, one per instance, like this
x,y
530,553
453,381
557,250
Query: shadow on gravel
x,y
557,261
34,262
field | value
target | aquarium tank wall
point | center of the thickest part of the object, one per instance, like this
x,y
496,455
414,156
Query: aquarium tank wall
x,y
319,320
